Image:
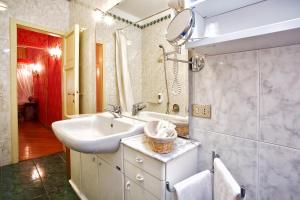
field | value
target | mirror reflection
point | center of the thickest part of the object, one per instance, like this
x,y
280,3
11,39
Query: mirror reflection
x,y
143,82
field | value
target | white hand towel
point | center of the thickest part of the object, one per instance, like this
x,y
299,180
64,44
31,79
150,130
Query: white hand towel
x,y
196,187
225,186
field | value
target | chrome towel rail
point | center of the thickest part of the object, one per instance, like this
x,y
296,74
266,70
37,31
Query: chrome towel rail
x,y
214,155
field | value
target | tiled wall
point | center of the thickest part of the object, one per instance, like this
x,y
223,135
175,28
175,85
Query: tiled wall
x,y
48,13
105,35
255,125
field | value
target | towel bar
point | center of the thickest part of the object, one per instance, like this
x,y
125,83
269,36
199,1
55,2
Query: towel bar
x,y
168,187
243,189
214,155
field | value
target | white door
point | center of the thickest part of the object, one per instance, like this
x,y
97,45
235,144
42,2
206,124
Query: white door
x,y
75,169
110,182
71,73
89,176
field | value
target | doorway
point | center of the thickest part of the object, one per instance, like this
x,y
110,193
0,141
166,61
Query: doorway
x,y
39,92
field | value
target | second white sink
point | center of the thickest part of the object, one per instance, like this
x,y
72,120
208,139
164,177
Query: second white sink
x,y
99,133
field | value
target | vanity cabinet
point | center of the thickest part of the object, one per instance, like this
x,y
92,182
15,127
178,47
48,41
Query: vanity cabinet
x,y
90,179
97,176
111,181
75,163
147,172
134,172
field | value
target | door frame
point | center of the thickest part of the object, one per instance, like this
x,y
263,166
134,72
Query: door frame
x,y
14,24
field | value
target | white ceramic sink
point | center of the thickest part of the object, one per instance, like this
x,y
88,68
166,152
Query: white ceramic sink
x,y
150,116
98,133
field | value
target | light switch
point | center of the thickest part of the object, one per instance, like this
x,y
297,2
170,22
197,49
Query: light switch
x,y
202,111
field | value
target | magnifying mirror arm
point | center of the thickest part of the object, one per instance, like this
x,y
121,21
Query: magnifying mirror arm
x,y
178,60
171,53
197,63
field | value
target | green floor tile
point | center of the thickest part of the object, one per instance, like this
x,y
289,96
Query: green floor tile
x,y
38,179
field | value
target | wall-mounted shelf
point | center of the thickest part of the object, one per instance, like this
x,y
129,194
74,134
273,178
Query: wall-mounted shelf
x,y
209,8
272,35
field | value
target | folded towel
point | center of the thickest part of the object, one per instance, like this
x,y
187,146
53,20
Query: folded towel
x,y
196,187
225,186
165,129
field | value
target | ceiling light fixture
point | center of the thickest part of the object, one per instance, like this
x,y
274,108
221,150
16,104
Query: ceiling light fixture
x,y
102,16
98,14
109,20
3,6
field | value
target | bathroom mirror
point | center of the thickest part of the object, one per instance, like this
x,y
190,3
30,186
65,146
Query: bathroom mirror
x,y
134,50
180,28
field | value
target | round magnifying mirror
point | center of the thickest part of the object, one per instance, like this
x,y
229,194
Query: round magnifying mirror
x,y
180,28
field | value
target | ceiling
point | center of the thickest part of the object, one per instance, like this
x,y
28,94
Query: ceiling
x,y
136,10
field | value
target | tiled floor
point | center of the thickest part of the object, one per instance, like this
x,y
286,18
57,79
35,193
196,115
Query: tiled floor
x,y
41,178
35,141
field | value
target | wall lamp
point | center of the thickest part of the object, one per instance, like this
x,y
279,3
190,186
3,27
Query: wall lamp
x,y
102,16
3,6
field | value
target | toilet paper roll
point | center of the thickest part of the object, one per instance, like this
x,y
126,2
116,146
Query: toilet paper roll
x,y
176,4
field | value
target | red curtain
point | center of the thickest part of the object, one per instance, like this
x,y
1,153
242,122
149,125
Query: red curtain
x,y
47,85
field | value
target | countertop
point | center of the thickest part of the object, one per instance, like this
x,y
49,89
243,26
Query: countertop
x,y
139,143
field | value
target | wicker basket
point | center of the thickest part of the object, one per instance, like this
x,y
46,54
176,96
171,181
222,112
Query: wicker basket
x,y
182,129
160,146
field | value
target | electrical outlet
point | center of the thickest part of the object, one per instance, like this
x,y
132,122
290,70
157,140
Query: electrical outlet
x,y
202,111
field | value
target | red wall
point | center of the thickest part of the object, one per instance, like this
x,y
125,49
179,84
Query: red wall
x,y
47,86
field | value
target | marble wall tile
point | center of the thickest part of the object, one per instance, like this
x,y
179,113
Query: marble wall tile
x,y
239,156
4,80
4,126
5,148
229,84
52,14
4,54
279,170
280,97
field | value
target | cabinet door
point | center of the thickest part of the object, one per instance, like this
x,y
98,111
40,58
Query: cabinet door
x,y
75,168
135,192
111,181
90,177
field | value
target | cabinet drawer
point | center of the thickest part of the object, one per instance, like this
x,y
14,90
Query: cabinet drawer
x,y
148,164
135,192
145,180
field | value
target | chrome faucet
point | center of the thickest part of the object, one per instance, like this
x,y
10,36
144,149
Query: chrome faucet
x,y
137,107
116,112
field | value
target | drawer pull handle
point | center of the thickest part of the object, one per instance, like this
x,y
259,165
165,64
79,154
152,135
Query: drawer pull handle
x,y
139,160
128,185
139,177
